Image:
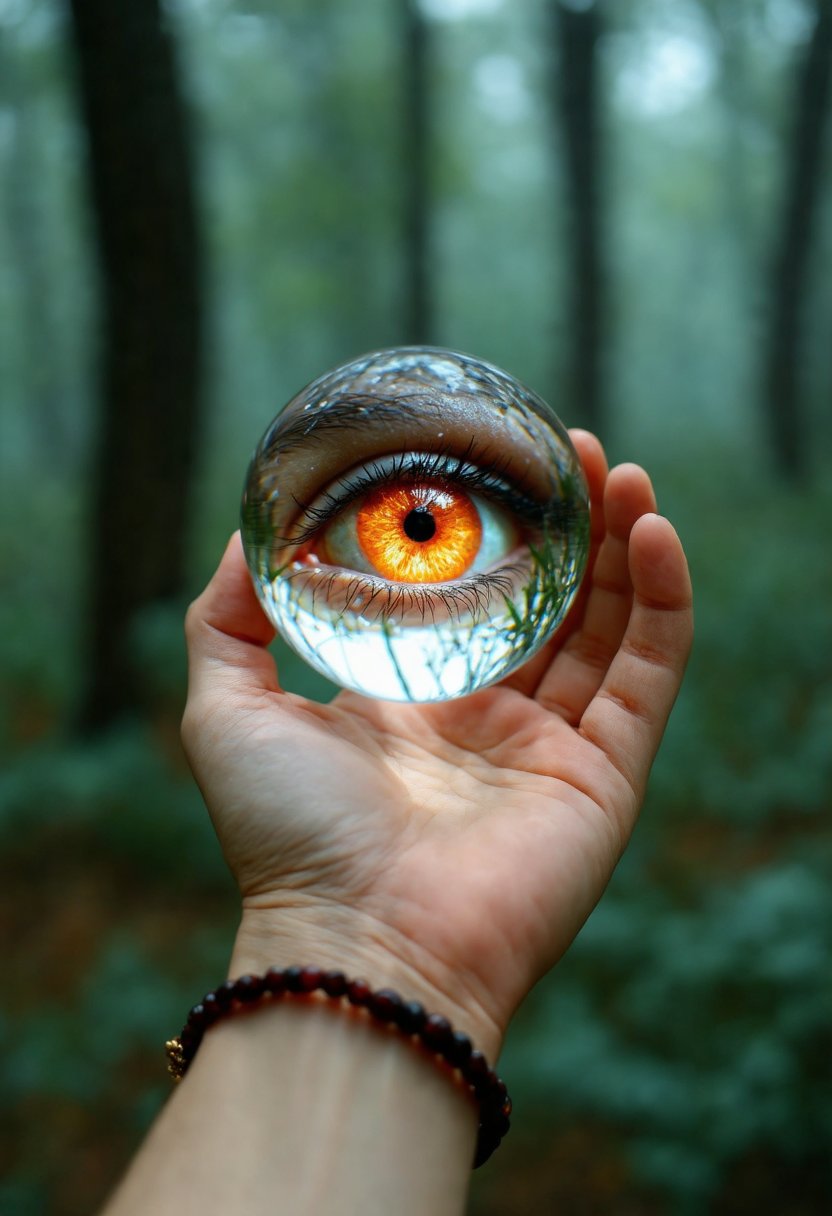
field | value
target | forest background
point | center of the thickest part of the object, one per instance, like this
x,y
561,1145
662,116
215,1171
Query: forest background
x,y
206,203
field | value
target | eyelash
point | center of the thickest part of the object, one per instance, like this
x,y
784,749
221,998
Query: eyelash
x,y
472,470
467,598
471,596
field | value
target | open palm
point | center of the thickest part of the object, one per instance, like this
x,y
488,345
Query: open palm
x,y
466,840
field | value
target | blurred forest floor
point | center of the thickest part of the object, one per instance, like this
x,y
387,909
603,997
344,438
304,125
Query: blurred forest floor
x,y
678,1059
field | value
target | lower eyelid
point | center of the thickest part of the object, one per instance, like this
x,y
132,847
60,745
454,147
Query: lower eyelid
x,y
370,598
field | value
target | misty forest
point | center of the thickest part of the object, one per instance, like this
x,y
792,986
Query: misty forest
x,y
628,205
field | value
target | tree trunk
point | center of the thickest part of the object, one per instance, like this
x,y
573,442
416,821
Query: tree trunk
x,y
781,391
418,321
732,54
40,356
575,34
145,217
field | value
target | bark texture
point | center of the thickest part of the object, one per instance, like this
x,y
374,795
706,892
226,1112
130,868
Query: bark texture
x,y
575,36
786,423
142,190
418,321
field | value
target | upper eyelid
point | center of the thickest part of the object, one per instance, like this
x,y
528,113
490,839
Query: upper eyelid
x,y
471,470
318,437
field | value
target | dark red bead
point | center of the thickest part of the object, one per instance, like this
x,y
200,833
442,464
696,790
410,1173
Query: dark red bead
x,y
459,1049
334,983
485,1085
412,1017
385,1005
197,1018
485,1147
489,1086
292,977
358,992
486,1092
475,1068
248,987
274,980
225,994
497,1124
436,1033
310,979
212,1007
190,1038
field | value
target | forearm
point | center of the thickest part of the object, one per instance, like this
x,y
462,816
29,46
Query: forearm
x,y
311,1107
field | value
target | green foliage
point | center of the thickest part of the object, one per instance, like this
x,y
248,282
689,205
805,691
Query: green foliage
x,y
692,1017
120,911
701,1032
692,1014
752,730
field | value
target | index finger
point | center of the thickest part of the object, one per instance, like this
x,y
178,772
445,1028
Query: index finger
x,y
627,716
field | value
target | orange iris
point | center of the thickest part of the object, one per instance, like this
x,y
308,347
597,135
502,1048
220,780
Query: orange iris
x,y
419,533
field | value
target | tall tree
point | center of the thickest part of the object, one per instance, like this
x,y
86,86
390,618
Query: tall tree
x,y
40,376
418,321
729,23
575,31
793,246
142,189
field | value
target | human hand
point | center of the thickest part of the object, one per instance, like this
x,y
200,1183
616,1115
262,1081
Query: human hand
x,y
452,849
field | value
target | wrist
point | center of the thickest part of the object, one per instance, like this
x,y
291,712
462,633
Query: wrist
x,y
315,1103
352,942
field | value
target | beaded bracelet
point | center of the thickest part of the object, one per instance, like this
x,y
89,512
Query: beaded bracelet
x,y
432,1030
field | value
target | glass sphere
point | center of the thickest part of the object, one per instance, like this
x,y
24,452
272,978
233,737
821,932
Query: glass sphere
x,y
416,523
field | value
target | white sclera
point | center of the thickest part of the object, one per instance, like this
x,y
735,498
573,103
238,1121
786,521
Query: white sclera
x,y
497,530
417,642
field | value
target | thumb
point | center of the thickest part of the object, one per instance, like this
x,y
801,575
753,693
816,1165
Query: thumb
x,y
227,634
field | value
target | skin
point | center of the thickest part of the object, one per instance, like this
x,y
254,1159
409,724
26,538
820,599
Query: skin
x,y
451,851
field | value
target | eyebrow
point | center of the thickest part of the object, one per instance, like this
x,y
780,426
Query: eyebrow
x,y
348,413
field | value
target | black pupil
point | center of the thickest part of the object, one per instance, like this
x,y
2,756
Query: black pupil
x,y
419,524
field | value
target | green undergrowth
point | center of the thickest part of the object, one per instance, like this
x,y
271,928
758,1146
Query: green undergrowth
x,y
686,1034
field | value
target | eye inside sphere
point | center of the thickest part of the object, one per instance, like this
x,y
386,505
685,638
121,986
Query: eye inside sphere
x,y
419,534
422,533
416,524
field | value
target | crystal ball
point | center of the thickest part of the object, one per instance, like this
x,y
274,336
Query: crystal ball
x,y
416,523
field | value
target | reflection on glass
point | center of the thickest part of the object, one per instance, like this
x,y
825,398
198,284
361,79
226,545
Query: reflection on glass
x,y
416,524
